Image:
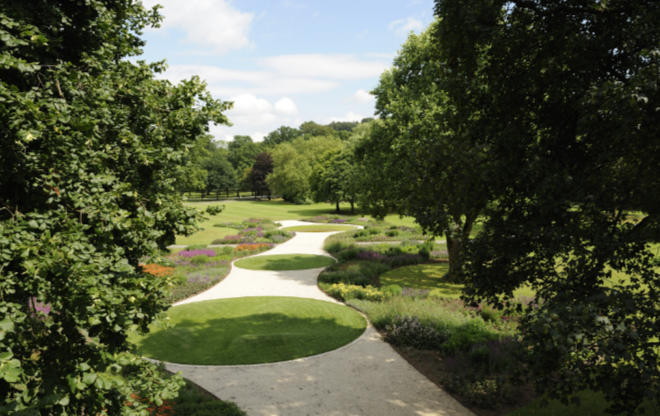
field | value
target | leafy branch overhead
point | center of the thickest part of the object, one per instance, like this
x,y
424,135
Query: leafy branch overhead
x,y
91,143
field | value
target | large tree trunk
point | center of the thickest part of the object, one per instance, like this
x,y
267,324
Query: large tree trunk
x,y
352,206
337,206
457,235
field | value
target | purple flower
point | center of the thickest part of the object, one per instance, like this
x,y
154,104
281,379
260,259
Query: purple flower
x,y
338,220
39,307
195,253
369,255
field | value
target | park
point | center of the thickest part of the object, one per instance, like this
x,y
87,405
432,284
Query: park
x,y
486,242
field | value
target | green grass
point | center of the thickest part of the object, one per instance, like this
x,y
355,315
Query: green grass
x,y
204,236
238,211
429,276
591,404
285,262
422,276
319,228
249,331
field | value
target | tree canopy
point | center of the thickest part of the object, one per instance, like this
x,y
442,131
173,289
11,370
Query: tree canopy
x,y
569,101
91,143
420,157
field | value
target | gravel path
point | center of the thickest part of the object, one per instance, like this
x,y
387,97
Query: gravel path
x,y
366,377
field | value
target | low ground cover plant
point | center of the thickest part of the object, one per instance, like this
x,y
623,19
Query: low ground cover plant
x,y
197,268
253,230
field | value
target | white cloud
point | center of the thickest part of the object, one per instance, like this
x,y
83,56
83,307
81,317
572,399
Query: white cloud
x,y
286,106
403,27
227,82
363,96
248,104
325,66
213,23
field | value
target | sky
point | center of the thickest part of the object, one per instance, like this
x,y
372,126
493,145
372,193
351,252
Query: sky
x,y
283,62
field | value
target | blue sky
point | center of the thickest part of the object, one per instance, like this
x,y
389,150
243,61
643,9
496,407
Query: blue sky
x,y
283,62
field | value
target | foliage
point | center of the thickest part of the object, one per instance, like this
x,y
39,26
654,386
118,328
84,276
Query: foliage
x,y
419,158
293,164
220,174
345,292
409,331
242,153
91,143
569,100
335,178
262,167
282,134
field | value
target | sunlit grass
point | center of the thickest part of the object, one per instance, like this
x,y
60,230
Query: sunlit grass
x,y
249,330
285,262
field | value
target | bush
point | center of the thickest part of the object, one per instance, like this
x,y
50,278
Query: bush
x,y
348,253
464,336
344,292
392,233
409,331
214,209
197,260
391,290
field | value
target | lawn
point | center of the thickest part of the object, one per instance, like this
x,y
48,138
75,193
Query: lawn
x,y
238,211
285,262
429,276
249,331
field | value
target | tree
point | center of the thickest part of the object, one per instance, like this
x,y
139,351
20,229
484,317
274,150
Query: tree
x,y
91,142
280,135
569,98
293,164
420,158
310,129
263,166
191,174
333,179
220,173
242,151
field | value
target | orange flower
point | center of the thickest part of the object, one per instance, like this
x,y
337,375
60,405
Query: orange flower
x,y
251,247
157,270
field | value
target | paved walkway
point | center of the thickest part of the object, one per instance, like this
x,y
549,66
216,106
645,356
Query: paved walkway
x,y
366,377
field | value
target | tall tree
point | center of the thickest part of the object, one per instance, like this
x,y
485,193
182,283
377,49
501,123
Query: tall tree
x,y
90,146
242,151
293,164
570,101
421,156
263,166
220,174
333,178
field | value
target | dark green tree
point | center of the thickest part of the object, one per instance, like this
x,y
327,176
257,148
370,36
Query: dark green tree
x,y
570,103
220,174
242,151
263,166
91,142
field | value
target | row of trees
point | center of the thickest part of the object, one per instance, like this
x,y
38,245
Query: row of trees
x,y
214,167
541,118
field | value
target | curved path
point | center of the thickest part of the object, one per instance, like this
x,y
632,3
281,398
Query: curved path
x,y
366,377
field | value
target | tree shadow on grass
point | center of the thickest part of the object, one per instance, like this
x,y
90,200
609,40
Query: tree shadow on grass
x,y
258,338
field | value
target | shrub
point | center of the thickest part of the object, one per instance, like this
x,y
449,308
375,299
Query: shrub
x,y
391,290
464,336
197,260
409,331
344,292
214,209
392,233
348,253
